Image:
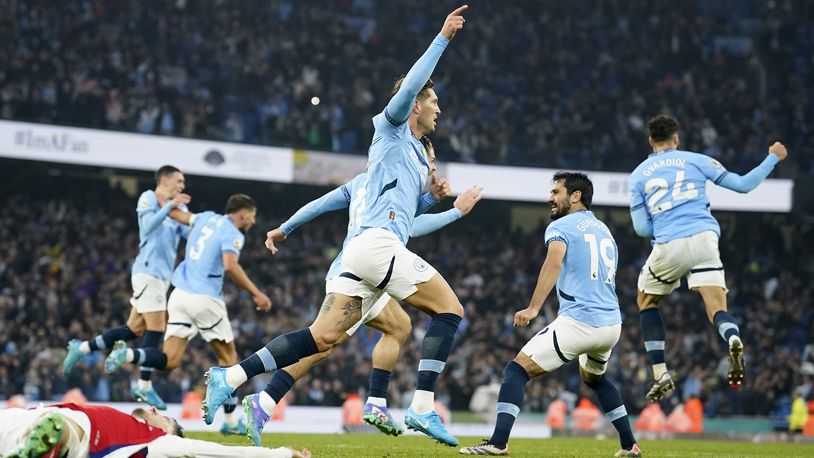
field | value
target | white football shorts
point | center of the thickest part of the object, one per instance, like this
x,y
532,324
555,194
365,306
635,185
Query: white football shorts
x,y
565,339
190,314
696,257
149,293
376,261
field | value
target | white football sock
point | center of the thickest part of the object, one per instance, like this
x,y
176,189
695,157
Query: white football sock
x,y
659,370
423,402
381,402
267,403
235,376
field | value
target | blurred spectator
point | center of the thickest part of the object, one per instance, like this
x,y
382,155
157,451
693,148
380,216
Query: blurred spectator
x,y
529,82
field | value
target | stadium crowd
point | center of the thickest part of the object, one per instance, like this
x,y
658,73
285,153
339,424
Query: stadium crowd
x,y
551,83
66,245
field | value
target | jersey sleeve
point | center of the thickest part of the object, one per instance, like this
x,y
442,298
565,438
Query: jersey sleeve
x,y
711,168
232,241
337,199
636,195
553,232
147,202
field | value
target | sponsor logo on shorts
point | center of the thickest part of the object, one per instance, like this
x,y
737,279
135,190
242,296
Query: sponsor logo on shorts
x,y
420,265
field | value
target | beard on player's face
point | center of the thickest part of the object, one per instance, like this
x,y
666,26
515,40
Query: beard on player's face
x,y
560,205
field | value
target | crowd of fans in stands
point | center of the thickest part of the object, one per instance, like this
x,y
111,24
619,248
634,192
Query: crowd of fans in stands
x,y
66,246
543,83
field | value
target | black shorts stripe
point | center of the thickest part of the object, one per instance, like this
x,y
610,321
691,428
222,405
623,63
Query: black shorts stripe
x,y
387,275
186,325
210,327
350,275
214,276
596,360
661,280
705,269
567,297
557,347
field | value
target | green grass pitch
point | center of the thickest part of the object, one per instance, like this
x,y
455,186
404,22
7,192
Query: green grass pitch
x,y
375,445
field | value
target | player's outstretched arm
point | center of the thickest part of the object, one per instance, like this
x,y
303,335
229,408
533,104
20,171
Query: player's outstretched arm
x,y
750,181
238,275
464,203
337,199
399,107
545,282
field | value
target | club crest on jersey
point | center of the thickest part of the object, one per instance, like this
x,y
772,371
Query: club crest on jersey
x,y
420,265
716,164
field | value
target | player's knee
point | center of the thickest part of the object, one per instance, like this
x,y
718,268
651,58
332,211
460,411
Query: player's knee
x,y
327,340
589,379
454,307
403,329
137,327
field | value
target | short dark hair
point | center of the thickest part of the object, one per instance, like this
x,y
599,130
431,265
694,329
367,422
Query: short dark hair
x,y
421,94
164,171
239,202
576,181
662,128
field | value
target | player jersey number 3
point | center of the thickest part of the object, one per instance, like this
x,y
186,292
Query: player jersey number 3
x,y
659,188
196,251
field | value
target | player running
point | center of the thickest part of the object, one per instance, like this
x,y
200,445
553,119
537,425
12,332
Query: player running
x,y
384,314
151,272
376,259
581,262
196,304
668,202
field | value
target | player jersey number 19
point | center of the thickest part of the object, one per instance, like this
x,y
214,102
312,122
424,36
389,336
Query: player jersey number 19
x,y
659,186
603,249
196,251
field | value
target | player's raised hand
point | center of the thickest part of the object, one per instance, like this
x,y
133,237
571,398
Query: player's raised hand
x,y
274,235
466,201
440,189
262,301
454,22
181,198
779,150
524,317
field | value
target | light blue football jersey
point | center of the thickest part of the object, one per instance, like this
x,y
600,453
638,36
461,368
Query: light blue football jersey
x,y
671,185
586,287
158,238
354,192
397,171
201,271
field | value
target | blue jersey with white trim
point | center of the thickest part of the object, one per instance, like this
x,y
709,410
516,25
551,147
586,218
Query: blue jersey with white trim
x,y
158,237
201,271
586,286
671,186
